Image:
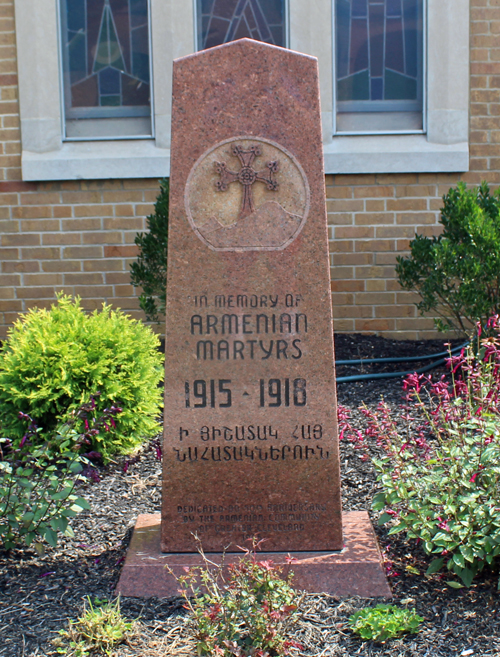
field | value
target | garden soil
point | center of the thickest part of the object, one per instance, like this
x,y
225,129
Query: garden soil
x,y
39,594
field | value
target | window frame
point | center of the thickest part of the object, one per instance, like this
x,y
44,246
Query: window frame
x,y
125,112
422,80
45,156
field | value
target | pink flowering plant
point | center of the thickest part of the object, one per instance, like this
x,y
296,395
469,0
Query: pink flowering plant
x,y
244,609
440,471
39,480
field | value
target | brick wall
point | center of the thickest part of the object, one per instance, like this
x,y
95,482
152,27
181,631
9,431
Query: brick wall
x,y
78,236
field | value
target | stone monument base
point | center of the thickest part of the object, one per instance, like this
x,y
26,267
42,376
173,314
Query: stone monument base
x,y
355,570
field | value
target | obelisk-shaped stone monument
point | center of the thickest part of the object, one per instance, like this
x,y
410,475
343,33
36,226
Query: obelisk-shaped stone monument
x,y
250,444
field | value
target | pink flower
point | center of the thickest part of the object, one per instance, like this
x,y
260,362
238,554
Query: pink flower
x,y
443,524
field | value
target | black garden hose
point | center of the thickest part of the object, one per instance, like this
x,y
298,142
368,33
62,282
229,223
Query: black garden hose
x,y
441,356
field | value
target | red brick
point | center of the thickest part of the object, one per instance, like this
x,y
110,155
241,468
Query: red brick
x,y
84,278
120,251
20,239
347,286
17,186
16,266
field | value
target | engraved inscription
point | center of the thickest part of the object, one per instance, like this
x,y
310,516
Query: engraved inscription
x,y
251,519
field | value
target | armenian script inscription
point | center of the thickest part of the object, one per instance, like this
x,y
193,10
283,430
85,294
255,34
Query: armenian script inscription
x,y
247,194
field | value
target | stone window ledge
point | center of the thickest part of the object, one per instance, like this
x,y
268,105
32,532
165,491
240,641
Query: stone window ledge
x,y
143,159
94,160
394,154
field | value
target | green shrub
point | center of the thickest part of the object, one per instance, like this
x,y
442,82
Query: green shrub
x,y
440,468
457,274
384,622
150,270
37,485
53,360
249,613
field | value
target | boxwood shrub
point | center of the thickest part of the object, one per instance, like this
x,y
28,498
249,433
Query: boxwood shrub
x,y
54,360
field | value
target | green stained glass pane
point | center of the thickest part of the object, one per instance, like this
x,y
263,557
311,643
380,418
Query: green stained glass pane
x,y
110,101
354,87
399,87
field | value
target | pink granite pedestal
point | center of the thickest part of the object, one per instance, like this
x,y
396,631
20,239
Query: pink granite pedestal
x,y
355,570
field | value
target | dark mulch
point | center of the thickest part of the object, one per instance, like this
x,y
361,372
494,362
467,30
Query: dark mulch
x,y
37,595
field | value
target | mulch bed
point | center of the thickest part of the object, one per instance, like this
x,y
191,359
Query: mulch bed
x,y
38,594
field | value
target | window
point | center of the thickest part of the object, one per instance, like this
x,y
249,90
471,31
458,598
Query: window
x,y
379,66
106,68
220,21
425,113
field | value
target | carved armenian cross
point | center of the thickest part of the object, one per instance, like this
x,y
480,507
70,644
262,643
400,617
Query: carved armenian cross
x,y
246,176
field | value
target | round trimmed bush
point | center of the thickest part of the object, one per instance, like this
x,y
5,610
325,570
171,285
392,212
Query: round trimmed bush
x,y
55,360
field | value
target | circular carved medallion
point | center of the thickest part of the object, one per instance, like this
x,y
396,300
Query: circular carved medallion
x,y
247,194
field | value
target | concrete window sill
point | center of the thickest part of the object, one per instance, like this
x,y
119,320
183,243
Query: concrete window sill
x,y
96,160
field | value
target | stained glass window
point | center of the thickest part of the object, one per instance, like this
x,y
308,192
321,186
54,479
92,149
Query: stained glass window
x,y
379,55
220,21
106,58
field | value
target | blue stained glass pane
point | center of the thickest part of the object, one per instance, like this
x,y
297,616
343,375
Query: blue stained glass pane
x,y
109,81
140,54
394,8
273,10
359,8
376,39
261,20
138,12
226,20
277,34
76,56
343,19
410,13
377,88
204,27
75,11
208,6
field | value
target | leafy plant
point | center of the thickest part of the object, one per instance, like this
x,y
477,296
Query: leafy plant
x,y
54,359
384,622
101,627
440,474
457,274
37,482
150,270
248,614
